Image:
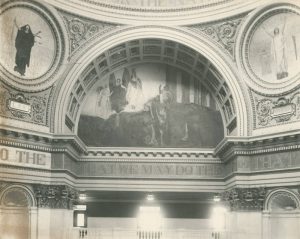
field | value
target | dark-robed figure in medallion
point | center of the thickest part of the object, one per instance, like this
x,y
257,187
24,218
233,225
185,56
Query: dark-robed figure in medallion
x,y
23,43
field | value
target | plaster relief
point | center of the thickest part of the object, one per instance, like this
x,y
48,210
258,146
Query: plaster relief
x,y
272,111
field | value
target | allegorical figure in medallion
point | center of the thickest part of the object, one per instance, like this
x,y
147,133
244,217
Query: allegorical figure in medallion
x,y
279,50
25,40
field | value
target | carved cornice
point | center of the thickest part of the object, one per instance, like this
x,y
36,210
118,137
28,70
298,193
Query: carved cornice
x,y
156,6
157,12
245,199
55,196
234,146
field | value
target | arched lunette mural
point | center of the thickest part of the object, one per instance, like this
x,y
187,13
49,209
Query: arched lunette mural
x,y
201,45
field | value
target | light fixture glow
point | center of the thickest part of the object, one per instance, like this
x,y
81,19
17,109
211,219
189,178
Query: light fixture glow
x,y
218,218
150,197
217,198
82,197
149,218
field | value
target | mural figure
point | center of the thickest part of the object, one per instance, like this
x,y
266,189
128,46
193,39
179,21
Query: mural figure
x,y
158,108
103,105
134,94
127,117
117,96
279,50
23,43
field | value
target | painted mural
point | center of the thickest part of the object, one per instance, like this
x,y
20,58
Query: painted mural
x,y
274,53
149,106
27,43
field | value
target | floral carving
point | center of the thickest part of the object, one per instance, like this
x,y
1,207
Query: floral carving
x,y
55,196
245,198
264,111
223,33
271,111
36,104
82,30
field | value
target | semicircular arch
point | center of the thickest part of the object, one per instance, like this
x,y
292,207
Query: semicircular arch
x,y
222,62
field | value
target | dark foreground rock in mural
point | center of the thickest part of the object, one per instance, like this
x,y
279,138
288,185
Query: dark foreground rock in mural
x,y
159,125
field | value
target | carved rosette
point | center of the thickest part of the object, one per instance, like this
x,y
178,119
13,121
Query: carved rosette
x,y
245,199
81,30
223,33
272,111
55,196
36,105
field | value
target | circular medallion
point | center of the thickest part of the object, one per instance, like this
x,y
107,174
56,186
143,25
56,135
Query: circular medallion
x,y
270,48
32,46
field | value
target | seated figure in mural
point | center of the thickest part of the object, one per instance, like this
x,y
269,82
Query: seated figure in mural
x,y
117,96
23,43
134,94
279,50
103,105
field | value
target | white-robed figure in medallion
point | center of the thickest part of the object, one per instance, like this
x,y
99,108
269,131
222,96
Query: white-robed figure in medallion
x,y
279,50
103,105
134,94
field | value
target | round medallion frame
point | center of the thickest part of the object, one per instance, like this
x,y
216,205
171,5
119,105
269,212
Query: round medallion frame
x,y
48,77
249,28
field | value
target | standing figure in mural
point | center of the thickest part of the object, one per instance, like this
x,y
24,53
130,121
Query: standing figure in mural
x,y
117,96
158,110
279,50
103,105
23,43
134,94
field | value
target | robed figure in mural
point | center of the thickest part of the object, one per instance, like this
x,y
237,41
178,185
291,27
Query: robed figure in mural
x,y
117,96
103,105
24,42
279,50
134,94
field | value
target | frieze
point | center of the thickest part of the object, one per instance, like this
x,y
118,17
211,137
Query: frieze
x,y
81,30
29,107
224,32
245,199
151,170
271,111
55,196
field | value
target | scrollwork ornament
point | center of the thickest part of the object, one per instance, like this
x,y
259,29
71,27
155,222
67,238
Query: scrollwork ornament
x,y
223,33
264,111
245,199
81,30
55,196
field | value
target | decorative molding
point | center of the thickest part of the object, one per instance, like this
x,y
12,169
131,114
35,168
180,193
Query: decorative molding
x,y
156,5
81,30
223,32
273,111
30,107
55,196
16,195
282,199
245,199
